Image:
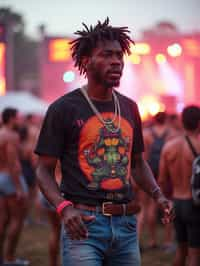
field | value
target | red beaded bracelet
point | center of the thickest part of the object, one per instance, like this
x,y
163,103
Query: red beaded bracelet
x,y
62,205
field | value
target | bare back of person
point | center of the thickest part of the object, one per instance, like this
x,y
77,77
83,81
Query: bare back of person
x,y
7,138
179,158
176,165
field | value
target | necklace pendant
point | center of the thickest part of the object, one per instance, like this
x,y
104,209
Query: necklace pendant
x,y
108,124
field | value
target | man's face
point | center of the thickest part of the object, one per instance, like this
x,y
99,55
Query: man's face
x,y
106,64
16,121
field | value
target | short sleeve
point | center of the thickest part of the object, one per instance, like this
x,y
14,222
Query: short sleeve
x,y
138,142
51,138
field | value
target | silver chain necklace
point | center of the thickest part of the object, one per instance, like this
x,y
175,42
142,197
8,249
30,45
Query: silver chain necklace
x,y
117,111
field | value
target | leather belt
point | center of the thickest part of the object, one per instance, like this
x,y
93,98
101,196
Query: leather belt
x,y
110,208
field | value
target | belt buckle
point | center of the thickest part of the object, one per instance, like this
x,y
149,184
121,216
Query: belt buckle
x,y
103,208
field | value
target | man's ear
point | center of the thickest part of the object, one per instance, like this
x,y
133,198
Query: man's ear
x,y
85,61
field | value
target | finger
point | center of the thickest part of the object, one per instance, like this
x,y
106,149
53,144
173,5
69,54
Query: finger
x,y
73,233
165,220
77,227
168,218
74,236
81,228
88,218
170,212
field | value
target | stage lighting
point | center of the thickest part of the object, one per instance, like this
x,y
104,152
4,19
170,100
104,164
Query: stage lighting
x,y
160,58
59,50
2,68
174,50
135,59
140,48
68,76
150,106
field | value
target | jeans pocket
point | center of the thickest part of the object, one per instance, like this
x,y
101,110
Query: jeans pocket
x,y
130,222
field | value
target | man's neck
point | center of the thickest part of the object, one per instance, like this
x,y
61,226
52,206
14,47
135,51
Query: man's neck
x,y
98,92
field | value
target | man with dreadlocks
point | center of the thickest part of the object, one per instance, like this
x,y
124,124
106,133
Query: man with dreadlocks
x,y
95,132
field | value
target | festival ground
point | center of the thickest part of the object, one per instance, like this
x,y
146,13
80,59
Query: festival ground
x,y
33,246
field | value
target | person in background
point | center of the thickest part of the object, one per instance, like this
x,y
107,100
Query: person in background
x,y
176,162
155,137
174,122
13,190
28,168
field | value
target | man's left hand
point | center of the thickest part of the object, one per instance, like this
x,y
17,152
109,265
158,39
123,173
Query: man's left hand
x,y
167,208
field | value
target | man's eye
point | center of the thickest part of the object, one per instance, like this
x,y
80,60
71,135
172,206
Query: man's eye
x,y
107,54
120,55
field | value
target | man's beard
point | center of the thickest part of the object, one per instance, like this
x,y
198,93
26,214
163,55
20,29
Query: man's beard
x,y
97,75
111,84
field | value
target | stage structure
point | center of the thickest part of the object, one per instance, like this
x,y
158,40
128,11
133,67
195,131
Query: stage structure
x,y
160,74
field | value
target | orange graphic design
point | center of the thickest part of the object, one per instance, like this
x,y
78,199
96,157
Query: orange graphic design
x,y
104,153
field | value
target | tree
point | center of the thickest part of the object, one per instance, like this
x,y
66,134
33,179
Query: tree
x,y
24,49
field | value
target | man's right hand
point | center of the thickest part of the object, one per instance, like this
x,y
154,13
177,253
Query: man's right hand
x,y
74,222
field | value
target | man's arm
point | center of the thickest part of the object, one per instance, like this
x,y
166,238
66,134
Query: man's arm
x,y
145,179
143,176
46,179
72,218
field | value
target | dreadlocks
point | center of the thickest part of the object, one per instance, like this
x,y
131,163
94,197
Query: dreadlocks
x,y
89,37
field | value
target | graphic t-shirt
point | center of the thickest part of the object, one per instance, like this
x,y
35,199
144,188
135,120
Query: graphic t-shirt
x,y
95,161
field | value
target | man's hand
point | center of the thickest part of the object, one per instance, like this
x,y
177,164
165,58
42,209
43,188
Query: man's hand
x,y
74,222
167,208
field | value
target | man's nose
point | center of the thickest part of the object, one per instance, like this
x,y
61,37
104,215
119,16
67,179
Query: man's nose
x,y
115,60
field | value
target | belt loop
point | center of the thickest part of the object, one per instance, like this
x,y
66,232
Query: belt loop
x,y
124,209
98,209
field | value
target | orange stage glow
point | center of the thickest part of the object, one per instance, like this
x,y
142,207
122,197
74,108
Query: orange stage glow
x,y
192,47
140,48
59,50
149,106
2,68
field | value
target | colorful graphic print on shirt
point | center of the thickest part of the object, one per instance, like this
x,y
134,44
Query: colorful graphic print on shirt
x,y
104,156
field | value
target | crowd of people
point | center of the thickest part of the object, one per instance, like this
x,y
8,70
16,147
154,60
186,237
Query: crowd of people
x,y
99,170
163,136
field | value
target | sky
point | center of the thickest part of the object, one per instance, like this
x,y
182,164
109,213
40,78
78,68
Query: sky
x,y
64,17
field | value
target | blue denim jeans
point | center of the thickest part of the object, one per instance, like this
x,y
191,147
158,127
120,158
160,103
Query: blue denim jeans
x,y
112,241
7,186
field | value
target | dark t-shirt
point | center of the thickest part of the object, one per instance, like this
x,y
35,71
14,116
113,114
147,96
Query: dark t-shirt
x,y
95,163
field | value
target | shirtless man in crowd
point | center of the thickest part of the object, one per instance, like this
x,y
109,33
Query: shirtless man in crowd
x,y
12,189
176,163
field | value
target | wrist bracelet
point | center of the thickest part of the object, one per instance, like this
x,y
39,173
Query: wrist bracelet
x,y
155,190
62,205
